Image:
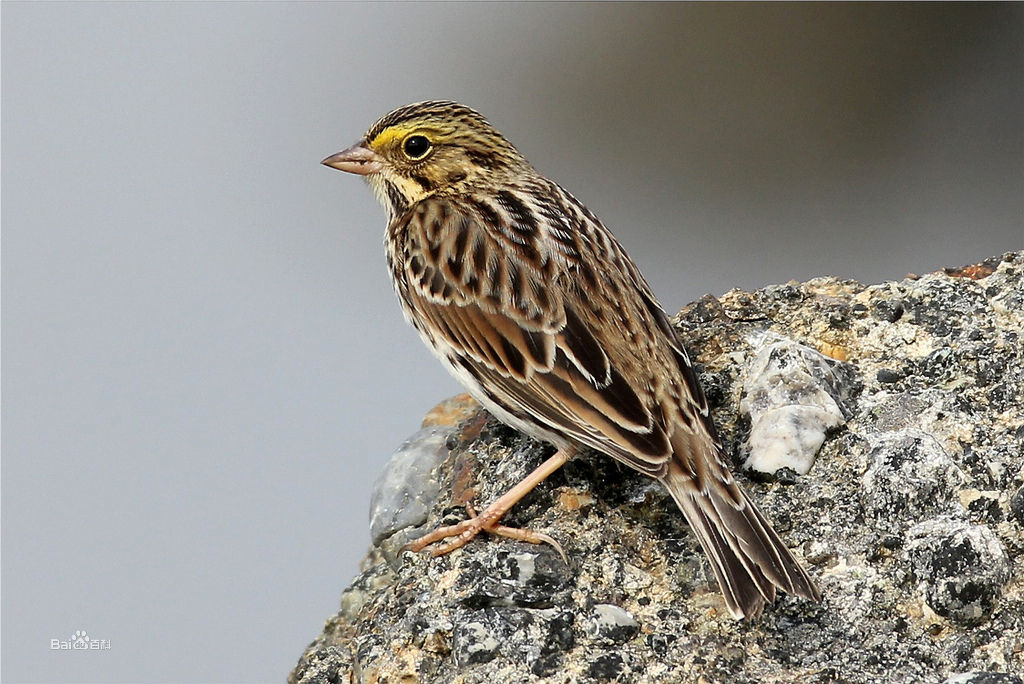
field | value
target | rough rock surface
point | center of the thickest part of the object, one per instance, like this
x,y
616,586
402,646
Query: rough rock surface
x,y
911,517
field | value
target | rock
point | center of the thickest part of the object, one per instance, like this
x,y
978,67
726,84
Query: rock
x,y
407,488
910,475
903,496
1017,505
789,392
961,567
475,642
524,576
451,412
984,678
611,624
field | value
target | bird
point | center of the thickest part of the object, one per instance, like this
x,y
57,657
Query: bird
x,y
532,304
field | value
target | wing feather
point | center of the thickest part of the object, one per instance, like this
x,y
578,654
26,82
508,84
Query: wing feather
x,y
526,330
585,355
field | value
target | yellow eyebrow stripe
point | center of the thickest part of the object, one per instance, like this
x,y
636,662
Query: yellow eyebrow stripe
x,y
392,135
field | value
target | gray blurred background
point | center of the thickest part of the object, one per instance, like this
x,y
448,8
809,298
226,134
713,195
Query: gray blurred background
x,y
204,367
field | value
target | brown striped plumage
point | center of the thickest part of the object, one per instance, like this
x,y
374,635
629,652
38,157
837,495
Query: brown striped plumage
x,y
533,305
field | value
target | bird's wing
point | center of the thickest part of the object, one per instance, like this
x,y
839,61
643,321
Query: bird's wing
x,y
586,352
579,345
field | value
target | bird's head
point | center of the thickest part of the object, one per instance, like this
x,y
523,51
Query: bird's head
x,y
429,148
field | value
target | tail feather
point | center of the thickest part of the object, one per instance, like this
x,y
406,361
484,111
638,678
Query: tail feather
x,y
747,556
745,590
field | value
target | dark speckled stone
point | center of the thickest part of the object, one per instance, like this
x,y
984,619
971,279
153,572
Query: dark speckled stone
x,y
911,520
984,678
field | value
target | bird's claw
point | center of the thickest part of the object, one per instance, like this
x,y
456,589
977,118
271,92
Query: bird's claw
x,y
487,521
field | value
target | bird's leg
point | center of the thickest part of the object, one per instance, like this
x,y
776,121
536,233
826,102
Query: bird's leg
x,y
520,534
487,519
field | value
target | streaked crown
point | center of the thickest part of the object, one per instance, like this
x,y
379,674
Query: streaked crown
x,y
438,146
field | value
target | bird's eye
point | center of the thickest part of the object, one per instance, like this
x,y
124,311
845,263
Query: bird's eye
x,y
416,146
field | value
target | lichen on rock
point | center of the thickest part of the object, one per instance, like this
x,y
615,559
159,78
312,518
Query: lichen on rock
x,y
910,515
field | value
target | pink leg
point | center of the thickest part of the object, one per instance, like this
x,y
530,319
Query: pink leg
x,y
487,520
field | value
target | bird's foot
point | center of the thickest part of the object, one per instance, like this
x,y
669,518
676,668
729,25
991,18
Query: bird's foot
x,y
486,521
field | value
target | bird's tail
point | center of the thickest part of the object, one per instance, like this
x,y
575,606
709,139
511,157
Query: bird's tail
x,y
747,556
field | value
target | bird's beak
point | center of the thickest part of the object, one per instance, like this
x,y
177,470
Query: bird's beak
x,y
358,159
